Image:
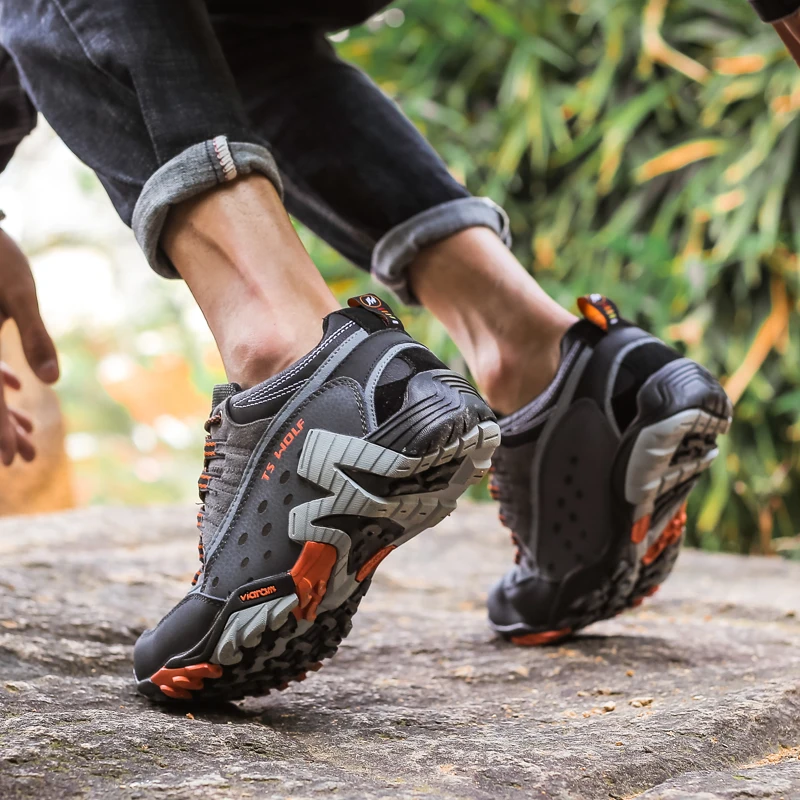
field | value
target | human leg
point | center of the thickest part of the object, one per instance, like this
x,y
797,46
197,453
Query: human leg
x,y
312,476
262,296
154,111
362,177
606,429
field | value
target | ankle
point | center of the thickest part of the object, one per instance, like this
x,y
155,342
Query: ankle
x,y
506,327
258,356
511,374
259,333
261,294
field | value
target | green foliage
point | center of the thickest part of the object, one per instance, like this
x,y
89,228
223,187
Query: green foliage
x,y
650,159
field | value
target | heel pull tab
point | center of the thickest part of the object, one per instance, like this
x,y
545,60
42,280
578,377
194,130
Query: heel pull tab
x,y
601,312
373,303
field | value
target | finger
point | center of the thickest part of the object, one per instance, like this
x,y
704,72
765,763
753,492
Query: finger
x,y
8,436
9,377
24,445
36,342
22,420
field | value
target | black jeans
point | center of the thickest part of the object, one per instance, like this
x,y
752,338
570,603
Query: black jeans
x,y
165,98
774,10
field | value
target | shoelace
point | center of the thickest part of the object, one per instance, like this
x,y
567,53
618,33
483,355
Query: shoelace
x,y
496,494
209,454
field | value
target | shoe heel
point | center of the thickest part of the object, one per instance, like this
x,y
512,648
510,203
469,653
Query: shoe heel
x,y
440,406
683,410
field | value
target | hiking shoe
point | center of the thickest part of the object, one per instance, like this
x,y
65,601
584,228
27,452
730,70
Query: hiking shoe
x,y
312,478
593,476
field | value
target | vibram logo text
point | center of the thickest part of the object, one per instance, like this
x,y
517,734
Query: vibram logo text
x,y
264,591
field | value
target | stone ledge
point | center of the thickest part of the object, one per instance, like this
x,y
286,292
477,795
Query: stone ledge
x,y
422,700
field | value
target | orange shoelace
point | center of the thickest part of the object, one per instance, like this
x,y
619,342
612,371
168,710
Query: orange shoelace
x,y
209,454
496,494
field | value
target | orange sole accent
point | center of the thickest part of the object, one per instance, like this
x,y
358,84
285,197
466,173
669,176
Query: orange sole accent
x,y
180,682
640,529
671,534
311,574
370,566
534,639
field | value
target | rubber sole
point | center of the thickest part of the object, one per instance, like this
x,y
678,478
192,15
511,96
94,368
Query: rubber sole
x,y
659,464
274,631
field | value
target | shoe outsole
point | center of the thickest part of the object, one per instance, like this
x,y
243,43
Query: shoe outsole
x,y
664,461
268,644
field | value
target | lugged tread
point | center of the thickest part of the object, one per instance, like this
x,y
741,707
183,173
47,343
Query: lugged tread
x,y
633,580
261,673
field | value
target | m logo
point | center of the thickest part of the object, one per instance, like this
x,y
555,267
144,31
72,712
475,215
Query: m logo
x,y
373,303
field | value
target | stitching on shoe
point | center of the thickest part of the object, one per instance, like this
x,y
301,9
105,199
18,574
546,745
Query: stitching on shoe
x,y
258,396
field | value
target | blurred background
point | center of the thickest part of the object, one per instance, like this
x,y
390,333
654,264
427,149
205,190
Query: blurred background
x,y
645,149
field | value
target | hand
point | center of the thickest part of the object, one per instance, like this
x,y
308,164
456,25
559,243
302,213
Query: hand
x,y
20,423
18,302
789,31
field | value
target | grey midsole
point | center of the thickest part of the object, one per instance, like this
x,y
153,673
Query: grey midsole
x,y
244,628
650,471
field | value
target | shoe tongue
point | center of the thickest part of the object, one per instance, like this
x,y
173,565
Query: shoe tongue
x,y
368,311
222,391
334,322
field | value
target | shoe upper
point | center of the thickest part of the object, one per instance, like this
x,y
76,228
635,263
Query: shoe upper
x,y
367,379
558,473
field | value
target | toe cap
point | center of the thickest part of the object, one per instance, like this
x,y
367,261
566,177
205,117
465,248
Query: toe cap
x,y
179,631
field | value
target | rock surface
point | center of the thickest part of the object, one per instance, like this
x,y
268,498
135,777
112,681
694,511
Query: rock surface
x,y
696,694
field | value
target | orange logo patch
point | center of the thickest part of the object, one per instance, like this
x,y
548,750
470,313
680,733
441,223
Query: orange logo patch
x,y
599,310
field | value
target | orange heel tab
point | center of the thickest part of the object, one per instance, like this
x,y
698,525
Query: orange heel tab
x,y
600,311
373,303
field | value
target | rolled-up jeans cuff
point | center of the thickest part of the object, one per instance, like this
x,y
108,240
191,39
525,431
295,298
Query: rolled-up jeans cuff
x,y
198,168
773,11
397,249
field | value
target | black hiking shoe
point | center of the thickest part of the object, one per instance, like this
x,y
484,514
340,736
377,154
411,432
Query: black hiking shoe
x,y
593,476
311,478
